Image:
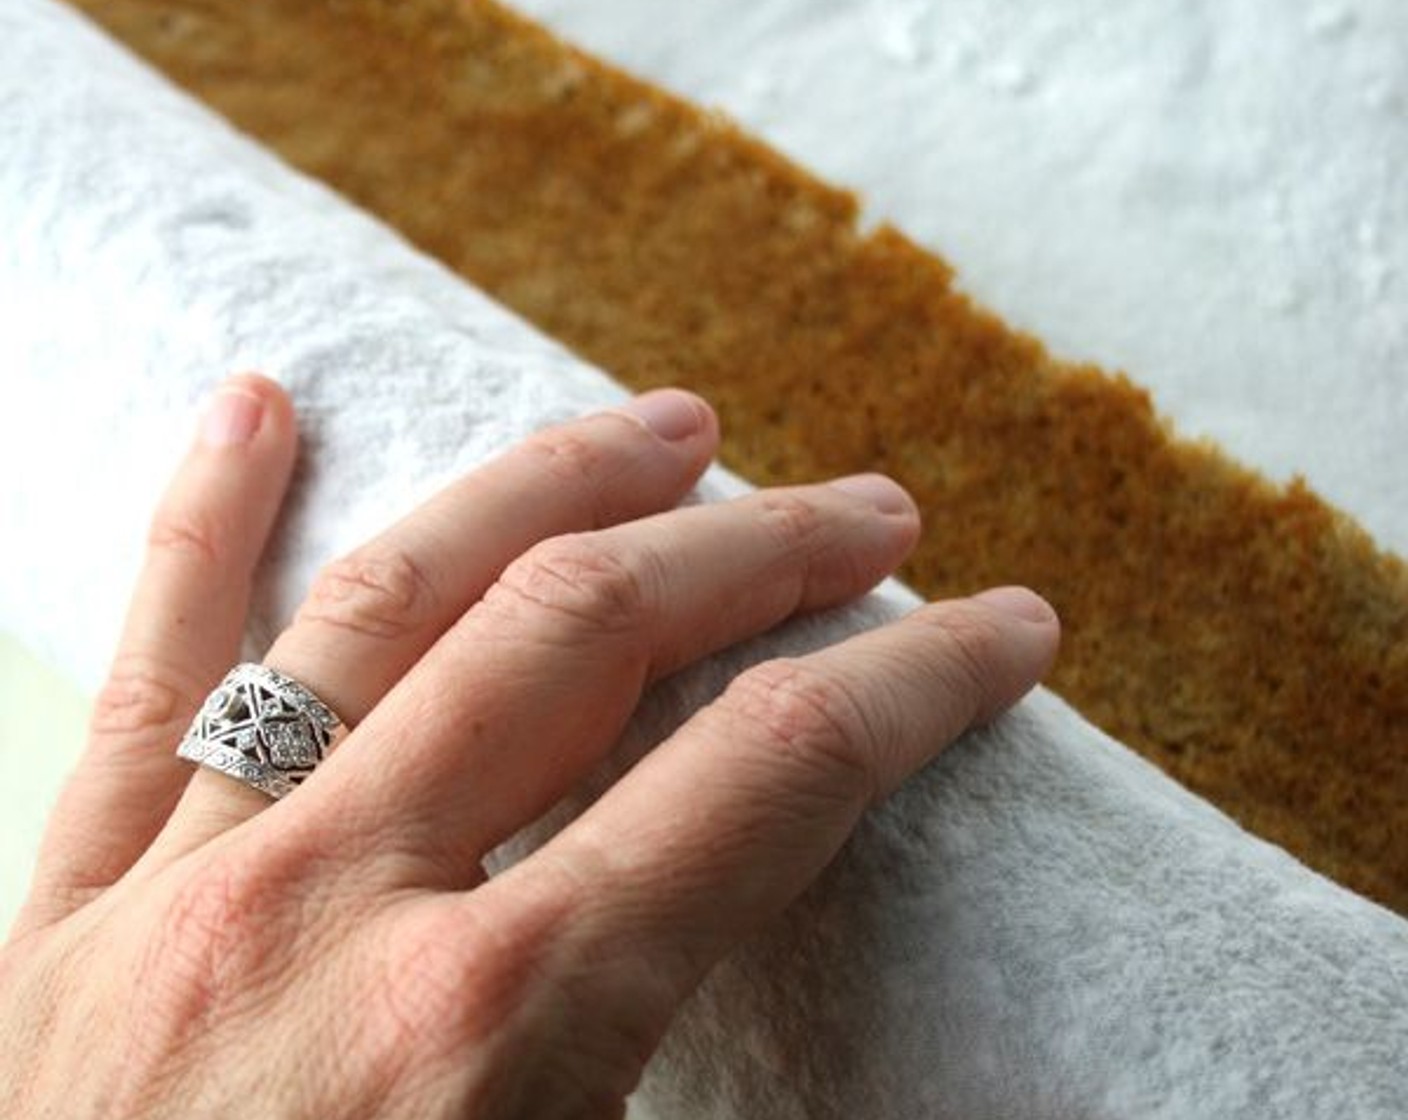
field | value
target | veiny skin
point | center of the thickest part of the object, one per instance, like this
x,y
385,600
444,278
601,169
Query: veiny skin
x,y
193,949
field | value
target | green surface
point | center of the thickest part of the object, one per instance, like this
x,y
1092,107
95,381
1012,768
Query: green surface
x,y
42,721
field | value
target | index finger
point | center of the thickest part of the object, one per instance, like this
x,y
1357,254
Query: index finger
x,y
717,830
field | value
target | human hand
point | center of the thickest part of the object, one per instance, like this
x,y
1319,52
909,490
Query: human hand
x,y
191,948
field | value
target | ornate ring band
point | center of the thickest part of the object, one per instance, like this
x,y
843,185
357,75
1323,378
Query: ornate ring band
x,y
262,728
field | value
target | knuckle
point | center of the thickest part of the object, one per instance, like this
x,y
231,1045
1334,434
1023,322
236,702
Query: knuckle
x,y
378,592
968,644
422,993
584,466
186,532
581,584
810,719
452,973
794,520
218,931
508,970
141,696
210,909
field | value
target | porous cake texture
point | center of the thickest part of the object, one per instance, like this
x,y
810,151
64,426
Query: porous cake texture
x,y
1246,637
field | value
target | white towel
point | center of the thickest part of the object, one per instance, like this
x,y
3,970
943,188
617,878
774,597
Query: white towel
x,y
1040,924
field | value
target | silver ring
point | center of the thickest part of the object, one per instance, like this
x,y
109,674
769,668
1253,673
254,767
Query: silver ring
x,y
262,728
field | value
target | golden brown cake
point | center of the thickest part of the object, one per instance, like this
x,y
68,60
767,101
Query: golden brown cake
x,y
1248,638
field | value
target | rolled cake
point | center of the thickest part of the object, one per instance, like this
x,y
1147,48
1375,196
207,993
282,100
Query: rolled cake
x,y
1039,924
1246,637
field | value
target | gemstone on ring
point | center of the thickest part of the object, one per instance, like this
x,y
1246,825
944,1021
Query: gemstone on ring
x,y
262,728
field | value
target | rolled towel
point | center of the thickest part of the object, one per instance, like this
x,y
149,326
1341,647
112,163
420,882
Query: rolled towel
x,y
1039,924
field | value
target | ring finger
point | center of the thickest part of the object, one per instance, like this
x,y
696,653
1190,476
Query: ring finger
x,y
372,614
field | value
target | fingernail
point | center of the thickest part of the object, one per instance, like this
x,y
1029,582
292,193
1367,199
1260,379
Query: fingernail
x,y
1018,601
232,417
670,413
884,494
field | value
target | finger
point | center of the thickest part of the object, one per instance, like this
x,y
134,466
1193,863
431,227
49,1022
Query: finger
x,y
531,689
182,632
714,833
373,614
